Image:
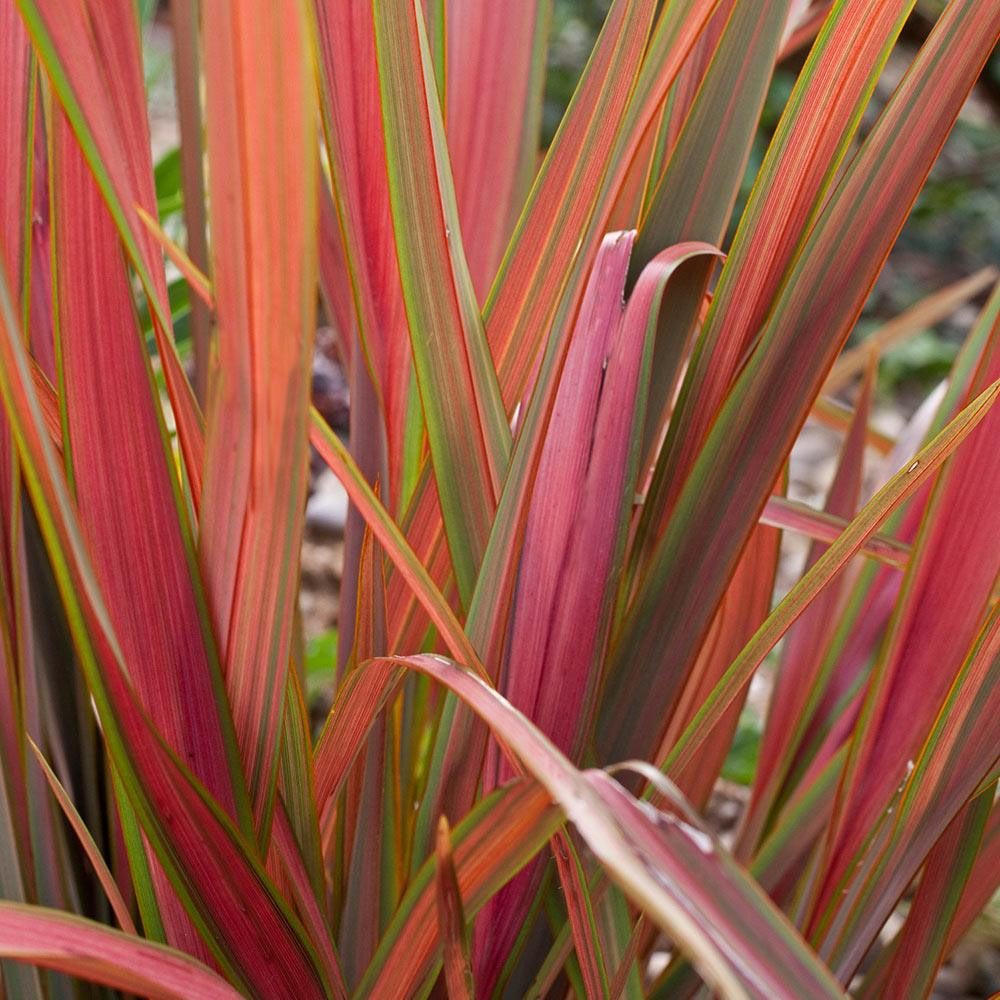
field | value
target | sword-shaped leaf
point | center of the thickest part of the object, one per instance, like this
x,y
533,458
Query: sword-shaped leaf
x,y
98,954
754,429
127,498
950,579
495,62
91,53
263,219
467,428
236,910
903,485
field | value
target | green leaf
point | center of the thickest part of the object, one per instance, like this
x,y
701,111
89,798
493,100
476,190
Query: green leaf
x,y
321,661
168,179
741,763
467,427
752,432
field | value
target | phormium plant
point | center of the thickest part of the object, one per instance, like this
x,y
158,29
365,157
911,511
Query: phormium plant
x,y
576,377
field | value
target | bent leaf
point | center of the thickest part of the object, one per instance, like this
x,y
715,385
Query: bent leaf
x,y
93,952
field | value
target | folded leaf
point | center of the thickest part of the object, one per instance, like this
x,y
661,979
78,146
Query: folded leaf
x,y
664,867
753,430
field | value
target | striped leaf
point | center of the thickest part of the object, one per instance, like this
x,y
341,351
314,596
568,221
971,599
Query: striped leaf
x,y
262,213
806,327
467,428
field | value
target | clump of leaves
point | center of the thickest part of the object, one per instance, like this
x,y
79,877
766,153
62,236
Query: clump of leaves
x,y
571,423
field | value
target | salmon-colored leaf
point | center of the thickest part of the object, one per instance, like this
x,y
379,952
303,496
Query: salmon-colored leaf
x,y
467,428
451,920
752,432
902,485
96,953
236,911
127,498
91,52
262,210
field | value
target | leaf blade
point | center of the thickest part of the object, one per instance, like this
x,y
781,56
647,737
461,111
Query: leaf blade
x,y
84,948
262,197
454,369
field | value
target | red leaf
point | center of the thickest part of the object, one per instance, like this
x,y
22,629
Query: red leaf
x,y
96,953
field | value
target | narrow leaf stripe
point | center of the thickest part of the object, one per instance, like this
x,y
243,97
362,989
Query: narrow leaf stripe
x,y
467,427
451,920
18,111
385,529
90,848
93,952
262,211
239,914
92,54
791,515
694,196
744,607
752,435
363,817
901,486
586,936
979,889
494,75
